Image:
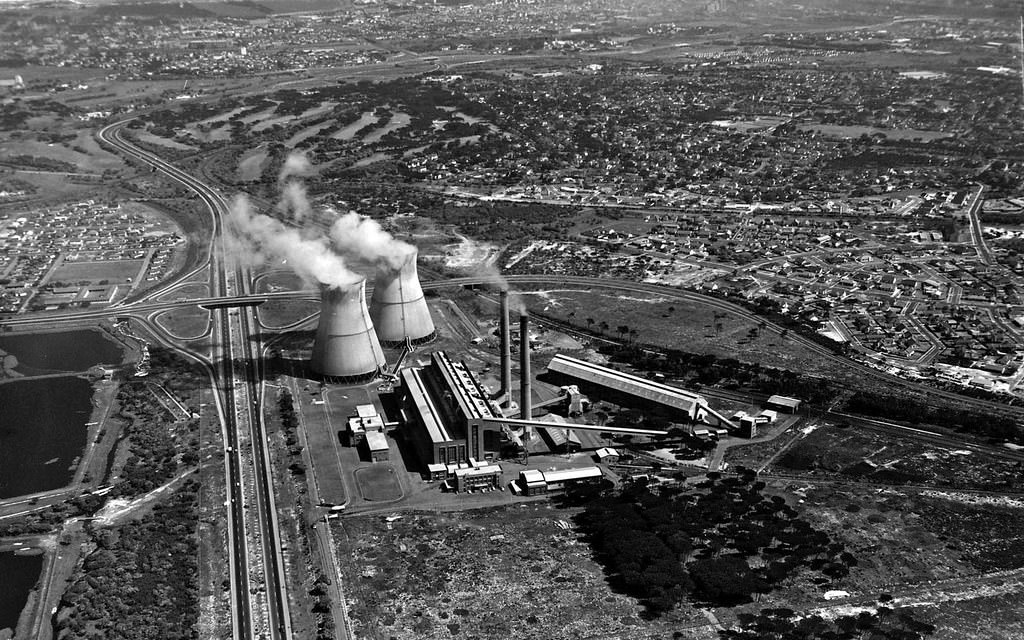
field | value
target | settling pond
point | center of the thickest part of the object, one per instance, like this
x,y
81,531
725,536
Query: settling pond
x,y
42,431
43,420
20,574
63,351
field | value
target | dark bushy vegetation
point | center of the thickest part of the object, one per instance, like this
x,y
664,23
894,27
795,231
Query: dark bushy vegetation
x,y
662,545
783,624
142,579
707,369
904,409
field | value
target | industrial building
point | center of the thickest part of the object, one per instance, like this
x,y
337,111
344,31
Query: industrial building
x,y
446,406
366,420
784,404
533,482
561,439
611,382
480,477
450,419
377,446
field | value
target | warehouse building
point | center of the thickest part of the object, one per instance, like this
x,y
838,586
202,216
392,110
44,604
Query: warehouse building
x,y
533,482
613,383
784,404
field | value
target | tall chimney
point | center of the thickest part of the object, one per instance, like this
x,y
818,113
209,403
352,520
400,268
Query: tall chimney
x,y
346,346
398,309
525,401
506,353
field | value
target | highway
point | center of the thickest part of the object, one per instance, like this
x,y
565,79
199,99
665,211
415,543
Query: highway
x,y
258,587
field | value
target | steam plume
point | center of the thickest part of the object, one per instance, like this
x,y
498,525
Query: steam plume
x,y
296,164
257,239
294,202
364,240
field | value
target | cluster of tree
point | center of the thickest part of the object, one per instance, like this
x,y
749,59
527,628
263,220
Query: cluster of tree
x,y
707,369
38,162
915,411
999,217
290,426
783,624
722,545
142,579
322,609
158,444
153,457
505,221
1004,179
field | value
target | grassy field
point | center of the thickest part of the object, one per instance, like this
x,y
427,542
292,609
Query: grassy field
x,y
857,454
378,483
280,313
684,325
519,572
188,291
185,322
114,271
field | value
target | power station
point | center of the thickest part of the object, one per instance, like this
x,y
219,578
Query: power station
x,y
446,415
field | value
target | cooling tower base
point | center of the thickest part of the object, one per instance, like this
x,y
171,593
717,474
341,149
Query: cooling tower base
x,y
394,344
354,379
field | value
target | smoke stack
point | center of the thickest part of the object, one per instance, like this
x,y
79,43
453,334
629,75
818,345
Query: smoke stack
x,y
398,309
346,346
525,401
506,353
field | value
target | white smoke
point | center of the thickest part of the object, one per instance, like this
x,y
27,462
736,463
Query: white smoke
x,y
296,164
294,203
363,240
257,239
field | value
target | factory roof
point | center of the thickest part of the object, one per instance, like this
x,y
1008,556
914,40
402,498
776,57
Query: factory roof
x,y
562,475
531,476
605,452
429,415
366,410
634,385
486,470
784,401
468,393
560,436
376,441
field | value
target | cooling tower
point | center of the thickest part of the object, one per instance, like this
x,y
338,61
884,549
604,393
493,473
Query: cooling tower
x,y
346,347
398,309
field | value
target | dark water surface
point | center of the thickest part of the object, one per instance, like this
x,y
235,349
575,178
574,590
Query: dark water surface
x,y
18,574
61,351
42,431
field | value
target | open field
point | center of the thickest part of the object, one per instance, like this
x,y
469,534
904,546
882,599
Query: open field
x,y
280,313
684,325
855,454
519,571
185,322
114,271
378,483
